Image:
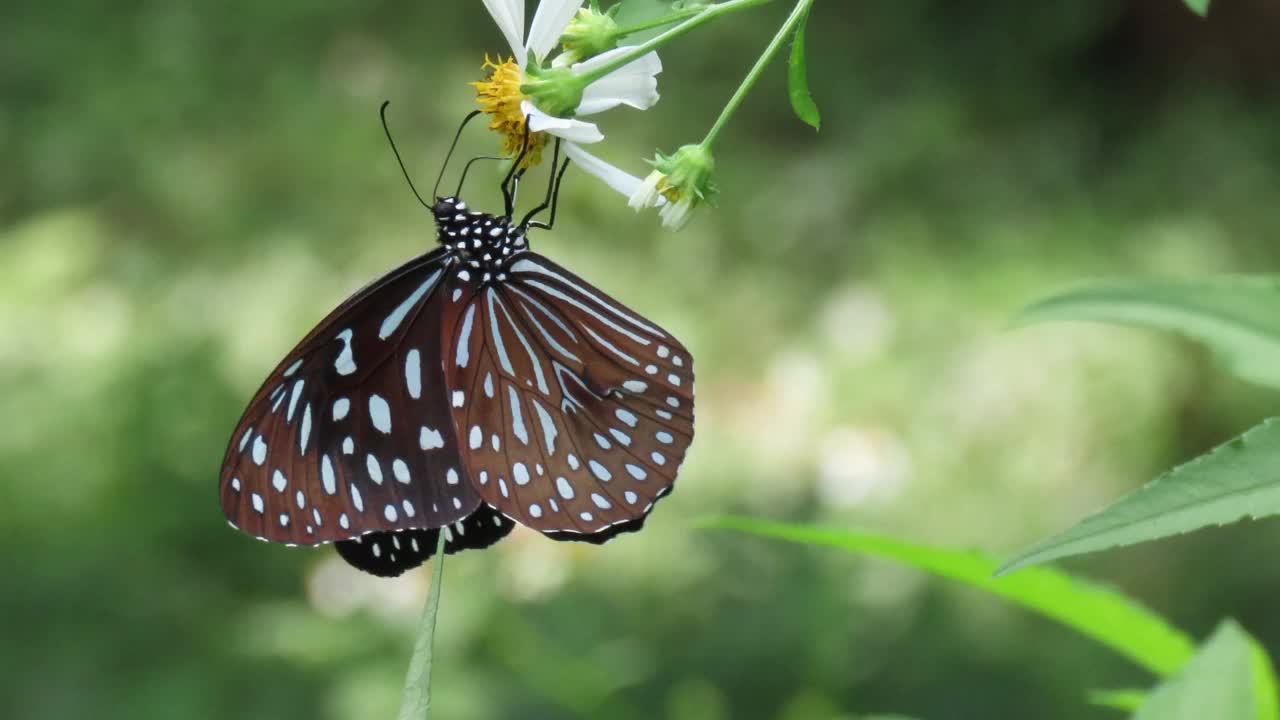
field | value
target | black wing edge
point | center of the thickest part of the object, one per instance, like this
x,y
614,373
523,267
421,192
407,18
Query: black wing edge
x,y
390,554
612,531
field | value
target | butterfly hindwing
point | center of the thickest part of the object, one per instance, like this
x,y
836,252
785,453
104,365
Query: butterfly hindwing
x,y
389,554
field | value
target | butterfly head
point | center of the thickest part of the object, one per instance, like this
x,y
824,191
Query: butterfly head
x,y
483,241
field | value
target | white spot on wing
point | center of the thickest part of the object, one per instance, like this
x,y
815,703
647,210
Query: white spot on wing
x,y
564,488
463,354
393,320
278,481
304,434
600,471
429,439
341,407
293,399
326,475
346,363
401,470
517,417
475,438
413,373
380,414
548,427
259,450
374,467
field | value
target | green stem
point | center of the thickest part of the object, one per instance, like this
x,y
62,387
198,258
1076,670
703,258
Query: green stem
x,y
417,684
674,17
704,16
749,81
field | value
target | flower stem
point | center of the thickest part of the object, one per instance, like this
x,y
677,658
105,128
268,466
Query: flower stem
x,y
749,81
705,15
417,684
667,19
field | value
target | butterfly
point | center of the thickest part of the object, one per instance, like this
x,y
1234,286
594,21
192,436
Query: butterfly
x,y
474,387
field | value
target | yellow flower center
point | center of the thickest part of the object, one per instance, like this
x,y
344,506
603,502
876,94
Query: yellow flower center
x,y
499,96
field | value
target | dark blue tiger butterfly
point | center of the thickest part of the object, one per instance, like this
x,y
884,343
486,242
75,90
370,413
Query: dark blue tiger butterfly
x,y
474,387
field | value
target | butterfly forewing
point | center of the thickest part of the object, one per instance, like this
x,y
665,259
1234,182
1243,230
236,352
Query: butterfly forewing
x,y
577,412
352,433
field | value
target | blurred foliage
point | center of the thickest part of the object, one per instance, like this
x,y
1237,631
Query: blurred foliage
x,y
187,187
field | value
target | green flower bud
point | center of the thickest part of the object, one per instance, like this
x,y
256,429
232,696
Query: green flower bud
x,y
555,91
590,33
679,183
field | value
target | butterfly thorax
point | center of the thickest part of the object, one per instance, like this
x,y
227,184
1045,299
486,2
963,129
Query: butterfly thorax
x,y
488,243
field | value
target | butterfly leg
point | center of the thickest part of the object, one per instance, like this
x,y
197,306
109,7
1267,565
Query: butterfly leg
x,y
555,199
513,175
552,181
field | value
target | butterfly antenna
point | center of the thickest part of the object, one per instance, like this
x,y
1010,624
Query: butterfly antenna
x,y
403,169
452,146
467,168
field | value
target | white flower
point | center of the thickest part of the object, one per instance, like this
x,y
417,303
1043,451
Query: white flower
x,y
633,84
501,95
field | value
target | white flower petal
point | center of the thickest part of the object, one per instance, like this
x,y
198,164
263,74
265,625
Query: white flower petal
x,y
646,195
567,128
632,84
676,215
509,16
645,63
620,180
549,22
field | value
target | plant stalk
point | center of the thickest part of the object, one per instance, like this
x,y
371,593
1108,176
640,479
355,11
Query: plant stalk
x,y
417,683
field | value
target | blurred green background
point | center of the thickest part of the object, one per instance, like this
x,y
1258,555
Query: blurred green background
x,y
185,188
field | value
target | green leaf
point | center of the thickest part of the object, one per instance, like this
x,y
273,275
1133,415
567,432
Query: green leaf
x,y
798,79
1265,691
1092,610
1236,316
1127,699
1217,683
1199,7
1236,480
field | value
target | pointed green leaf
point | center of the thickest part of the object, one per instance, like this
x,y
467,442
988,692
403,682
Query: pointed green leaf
x,y
1238,317
1236,480
1127,699
1199,7
1092,610
798,79
1217,683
